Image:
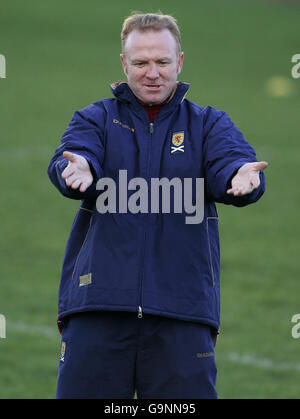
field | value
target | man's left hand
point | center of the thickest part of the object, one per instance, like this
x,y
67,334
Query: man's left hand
x,y
247,178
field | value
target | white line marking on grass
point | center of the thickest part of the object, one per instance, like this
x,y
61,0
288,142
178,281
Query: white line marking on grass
x,y
235,358
27,153
21,327
263,363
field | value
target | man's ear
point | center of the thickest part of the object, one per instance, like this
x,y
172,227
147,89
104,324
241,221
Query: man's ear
x,y
180,62
124,65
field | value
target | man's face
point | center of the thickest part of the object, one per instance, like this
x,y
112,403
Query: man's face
x,y
151,64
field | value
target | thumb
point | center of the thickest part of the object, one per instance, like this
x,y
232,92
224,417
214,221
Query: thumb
x,y
261,165
69,156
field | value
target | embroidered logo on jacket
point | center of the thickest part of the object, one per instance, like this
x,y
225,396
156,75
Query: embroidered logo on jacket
x,y
116,121
177,142
85,280
204,354
62,351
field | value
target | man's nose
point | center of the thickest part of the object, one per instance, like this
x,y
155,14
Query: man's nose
x,y
152,72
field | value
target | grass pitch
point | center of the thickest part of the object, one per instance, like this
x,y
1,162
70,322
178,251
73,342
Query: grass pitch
x,y
61,56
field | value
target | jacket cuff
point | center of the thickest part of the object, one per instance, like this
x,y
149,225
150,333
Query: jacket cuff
x,y
240,201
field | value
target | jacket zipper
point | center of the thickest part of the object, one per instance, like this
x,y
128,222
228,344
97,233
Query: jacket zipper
x,y
140,312
140,309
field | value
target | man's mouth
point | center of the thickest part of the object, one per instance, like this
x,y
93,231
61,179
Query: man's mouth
x,y
152,86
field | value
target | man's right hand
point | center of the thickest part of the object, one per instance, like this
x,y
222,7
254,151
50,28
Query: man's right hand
x,y
78,173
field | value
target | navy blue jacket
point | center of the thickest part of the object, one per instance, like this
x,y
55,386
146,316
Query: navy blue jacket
x,y
149,262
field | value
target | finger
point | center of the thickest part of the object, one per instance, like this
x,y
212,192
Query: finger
x,y
250,189
240,191
255,183
261,165
234,191
254,180
86,184
71,179
244,190
69,171
69,156
76,184
83,187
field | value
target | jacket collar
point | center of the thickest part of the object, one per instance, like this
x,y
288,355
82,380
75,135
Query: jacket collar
x,y
122,91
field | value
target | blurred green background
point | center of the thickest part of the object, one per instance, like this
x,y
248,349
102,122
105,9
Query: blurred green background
x,y
61,56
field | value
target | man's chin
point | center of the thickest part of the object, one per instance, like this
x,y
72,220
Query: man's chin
x,y
153,99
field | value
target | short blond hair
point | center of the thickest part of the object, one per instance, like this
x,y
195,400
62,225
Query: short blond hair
x,y
151,21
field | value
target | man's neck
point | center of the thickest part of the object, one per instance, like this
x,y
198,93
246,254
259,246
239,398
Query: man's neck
x,y
154,108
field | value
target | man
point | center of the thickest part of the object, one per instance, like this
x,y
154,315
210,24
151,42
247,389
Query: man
x,y
139,292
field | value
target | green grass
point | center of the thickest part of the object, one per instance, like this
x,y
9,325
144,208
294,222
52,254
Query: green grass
x,y
61,56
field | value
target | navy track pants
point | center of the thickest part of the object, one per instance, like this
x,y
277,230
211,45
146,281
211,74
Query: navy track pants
x,y
114,354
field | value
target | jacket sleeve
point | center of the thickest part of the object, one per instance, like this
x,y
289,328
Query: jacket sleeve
x,y
83,136
225,151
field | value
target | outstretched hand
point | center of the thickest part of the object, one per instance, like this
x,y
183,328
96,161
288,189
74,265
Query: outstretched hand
x,y
78,173
247,178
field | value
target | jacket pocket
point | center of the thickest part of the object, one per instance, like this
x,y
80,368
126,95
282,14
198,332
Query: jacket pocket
x,y
87,216
213,248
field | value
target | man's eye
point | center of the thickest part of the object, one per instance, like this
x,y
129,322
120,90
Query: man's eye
x,y
163,63
139,64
